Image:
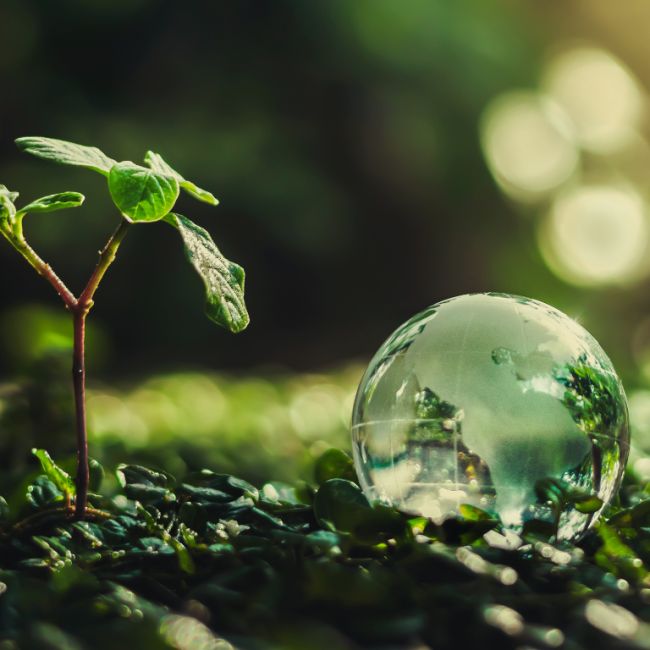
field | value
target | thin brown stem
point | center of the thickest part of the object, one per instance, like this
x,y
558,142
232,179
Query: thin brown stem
x,y
105,259
78,381
79,308
79,312
44,269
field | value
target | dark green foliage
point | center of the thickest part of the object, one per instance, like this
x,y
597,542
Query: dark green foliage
x,y
274,574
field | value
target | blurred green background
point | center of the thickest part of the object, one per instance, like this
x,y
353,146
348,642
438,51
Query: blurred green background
x,y
371,157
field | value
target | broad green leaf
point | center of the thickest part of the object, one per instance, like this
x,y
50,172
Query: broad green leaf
x,y
128,474
161,167
144,493
43,493
54,202
341,503
142,194
334,463
224,280
60,478
67,153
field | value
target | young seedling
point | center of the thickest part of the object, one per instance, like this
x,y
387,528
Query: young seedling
x,y
142,195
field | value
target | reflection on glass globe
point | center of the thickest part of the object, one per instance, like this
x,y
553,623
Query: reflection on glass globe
x,y
476,399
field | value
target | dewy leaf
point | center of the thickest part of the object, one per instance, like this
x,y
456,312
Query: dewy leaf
x,y
140,193
60,478
54,202
67,153
161,167
224,280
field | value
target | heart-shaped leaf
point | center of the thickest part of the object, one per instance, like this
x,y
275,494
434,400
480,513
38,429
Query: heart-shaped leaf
x,y
54,202
158,165
224,280
142,194
67,153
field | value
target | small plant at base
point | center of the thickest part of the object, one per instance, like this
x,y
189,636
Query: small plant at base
x,y
142,194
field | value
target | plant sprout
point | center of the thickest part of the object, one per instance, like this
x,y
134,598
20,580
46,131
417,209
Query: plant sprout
x,y
142,194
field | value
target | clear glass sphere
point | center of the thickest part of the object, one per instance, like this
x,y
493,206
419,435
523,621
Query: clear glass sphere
x,y
476,399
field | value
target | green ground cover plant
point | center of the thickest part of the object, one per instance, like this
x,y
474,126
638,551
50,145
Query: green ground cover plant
x,y
142,195
211,561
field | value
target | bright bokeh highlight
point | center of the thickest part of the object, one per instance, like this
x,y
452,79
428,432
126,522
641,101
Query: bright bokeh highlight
x,y
528,144
599,94
597,235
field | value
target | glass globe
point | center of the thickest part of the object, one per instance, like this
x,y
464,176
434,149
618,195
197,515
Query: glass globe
x,y
476,399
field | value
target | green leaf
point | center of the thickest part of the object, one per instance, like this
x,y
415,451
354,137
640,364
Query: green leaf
x,y
224,281
141,194
140,492
185,561
10,196
67,153
161,167
193,515
136,474
472,513
54,202
60,478
334,463
551,489
536,530
588,505
7,211
96,475
341,503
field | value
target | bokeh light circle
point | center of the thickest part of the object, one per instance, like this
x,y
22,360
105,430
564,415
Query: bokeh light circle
x,y
528,144
597,235
599,94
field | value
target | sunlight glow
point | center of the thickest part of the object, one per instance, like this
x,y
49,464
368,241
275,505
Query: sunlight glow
x,y
528,143
597,235
599,94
